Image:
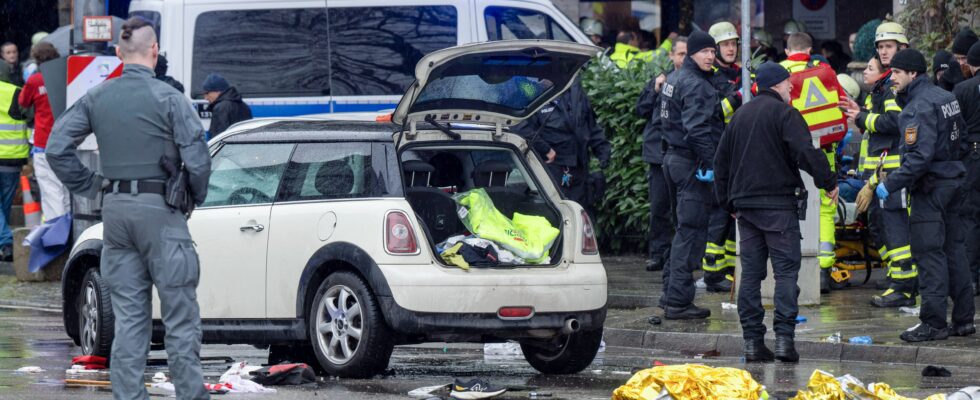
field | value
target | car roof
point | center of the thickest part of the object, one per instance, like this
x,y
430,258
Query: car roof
x,y
313,131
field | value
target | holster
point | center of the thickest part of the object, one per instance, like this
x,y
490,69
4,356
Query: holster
x,y
801,204
178,193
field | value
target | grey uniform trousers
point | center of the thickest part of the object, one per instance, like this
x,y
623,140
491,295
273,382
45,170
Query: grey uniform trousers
x,y
146,245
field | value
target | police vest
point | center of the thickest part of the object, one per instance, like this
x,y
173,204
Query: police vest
x,y
816,95
13,132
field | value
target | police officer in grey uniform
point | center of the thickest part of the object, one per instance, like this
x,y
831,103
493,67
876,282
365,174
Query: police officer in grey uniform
x,y
137,120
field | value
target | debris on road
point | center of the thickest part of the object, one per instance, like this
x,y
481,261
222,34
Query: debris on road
x,y
860,340
690,381
30,370
729,306
502,349
284,374
800,319
428,391
835,338
159,377
911,311
655,320
933,370
823,385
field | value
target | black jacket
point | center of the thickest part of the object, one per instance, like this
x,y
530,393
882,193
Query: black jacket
x,y
761,153
568,126
646,108
933,133
727,80
688,114
227,110
172,82
881,121
968,95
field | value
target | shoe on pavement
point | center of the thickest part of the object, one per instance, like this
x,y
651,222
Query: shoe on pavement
x,y
825,280
7,253
655,264
786,349
722,286
892,298
756,351
962,330
475,389
923,333
883,283
690,312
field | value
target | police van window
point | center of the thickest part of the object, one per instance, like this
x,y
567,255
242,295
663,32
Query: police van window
x,y
263,53
373,50
508,23
245,174
153,18
323,171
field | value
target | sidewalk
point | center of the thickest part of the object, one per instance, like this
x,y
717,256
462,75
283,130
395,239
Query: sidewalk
x,y
45,296
633,293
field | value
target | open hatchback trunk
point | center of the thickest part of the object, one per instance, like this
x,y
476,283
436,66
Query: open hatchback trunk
x,y
468,180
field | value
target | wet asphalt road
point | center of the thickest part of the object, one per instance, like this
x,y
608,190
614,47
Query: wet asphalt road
x,y
37,339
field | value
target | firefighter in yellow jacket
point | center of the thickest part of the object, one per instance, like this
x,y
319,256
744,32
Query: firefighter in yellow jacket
x,y
798,47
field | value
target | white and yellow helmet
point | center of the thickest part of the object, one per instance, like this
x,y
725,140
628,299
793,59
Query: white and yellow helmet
x,y
591,27
793,26
891,31
723,31
849,85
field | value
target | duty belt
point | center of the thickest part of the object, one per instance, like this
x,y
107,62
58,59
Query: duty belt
x,y
136,187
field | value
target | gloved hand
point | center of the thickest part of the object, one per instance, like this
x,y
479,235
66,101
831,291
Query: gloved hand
x,y
864,198
882,191
705,176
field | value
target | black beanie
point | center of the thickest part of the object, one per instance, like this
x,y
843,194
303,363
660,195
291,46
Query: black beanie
x,y
973,57
699,41
909,60
941,61
964,39
770,74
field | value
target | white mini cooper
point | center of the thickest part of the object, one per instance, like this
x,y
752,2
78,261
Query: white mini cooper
x,y
323,235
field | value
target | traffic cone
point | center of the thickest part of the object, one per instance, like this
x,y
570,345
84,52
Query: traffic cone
x,y
32,210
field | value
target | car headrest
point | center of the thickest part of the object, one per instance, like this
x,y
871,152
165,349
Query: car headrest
x,y
335,178
449,171
418,173
491,174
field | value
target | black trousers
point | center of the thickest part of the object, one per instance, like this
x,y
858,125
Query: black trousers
x,y
769,234
661,224
576,189
691,208
971,209
938,242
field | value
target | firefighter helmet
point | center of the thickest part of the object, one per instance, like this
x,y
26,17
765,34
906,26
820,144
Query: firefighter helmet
x,y
723,31
891,31
793,26
763,37
849,85
591,27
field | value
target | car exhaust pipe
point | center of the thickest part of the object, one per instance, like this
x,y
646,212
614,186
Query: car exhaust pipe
x,y
571,326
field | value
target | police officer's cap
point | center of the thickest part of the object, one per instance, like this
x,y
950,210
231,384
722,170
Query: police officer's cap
x,y
909,60
699,41
973,57
941,61
964,39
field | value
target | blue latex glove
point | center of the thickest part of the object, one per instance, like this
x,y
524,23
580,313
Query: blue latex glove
x,y
882,191
705,176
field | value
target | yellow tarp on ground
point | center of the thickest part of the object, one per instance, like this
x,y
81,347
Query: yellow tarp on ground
x,y
824,386
690,382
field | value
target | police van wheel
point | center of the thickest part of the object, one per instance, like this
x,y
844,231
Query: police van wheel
x,y
566,354
348,331
95,317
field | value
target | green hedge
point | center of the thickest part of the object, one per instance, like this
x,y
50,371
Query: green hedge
x,y
624,212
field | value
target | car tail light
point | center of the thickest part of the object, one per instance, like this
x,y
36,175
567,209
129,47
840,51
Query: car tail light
x,y
399,235
589,245
515,312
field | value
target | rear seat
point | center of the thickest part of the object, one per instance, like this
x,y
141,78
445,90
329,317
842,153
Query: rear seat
x,y
435,208
492,176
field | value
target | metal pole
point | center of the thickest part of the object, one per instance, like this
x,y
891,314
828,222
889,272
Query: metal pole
x,y
746,50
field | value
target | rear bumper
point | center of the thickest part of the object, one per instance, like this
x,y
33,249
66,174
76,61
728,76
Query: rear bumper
x,y
487,324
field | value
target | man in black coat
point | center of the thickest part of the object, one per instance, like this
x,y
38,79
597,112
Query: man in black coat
x,y
968,95
227,106
757,178
564,133
691,126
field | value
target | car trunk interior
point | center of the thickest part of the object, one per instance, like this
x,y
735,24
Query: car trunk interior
x,y
436,173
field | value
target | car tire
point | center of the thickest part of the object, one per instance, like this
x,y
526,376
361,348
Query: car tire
x,y
566,354
347,330
96,320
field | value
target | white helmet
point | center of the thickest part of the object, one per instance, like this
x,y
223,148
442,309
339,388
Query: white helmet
x,y
723,31
891,31
591,27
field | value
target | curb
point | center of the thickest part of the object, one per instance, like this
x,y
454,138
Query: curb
x,y
731,346
26,305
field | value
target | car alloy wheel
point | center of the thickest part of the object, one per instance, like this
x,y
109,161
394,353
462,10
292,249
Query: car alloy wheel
x,y
339,323
89,314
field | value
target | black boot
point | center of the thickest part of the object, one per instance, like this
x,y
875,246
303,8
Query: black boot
x,y
717,281
756,351
901,293
963,330
923,333
786,349
690,312
883,283
655,264
825,280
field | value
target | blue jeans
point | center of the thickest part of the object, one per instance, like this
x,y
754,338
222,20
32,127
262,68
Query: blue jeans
x,y
8,188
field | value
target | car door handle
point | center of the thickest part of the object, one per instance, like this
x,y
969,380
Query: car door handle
x,y
256,228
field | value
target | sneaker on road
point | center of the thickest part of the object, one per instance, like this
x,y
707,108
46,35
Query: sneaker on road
x,y
962,330
923,333
475,389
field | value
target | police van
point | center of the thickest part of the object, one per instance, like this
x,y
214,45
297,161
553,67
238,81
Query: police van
x,y
300,57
